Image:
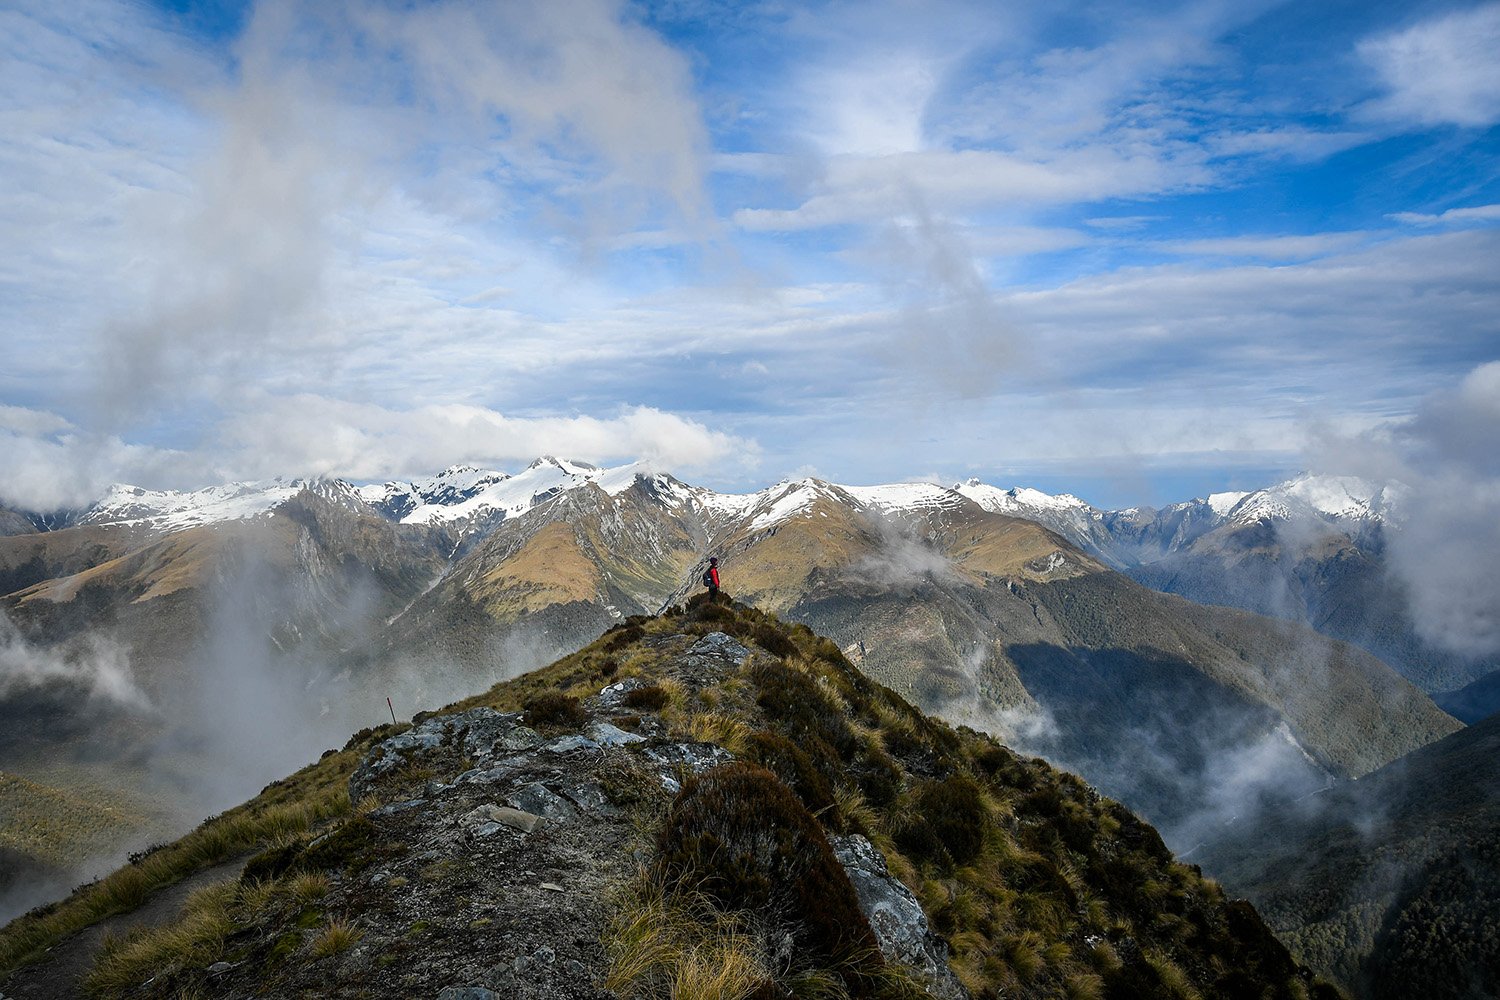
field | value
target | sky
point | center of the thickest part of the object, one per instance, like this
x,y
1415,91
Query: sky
x,y
1133,252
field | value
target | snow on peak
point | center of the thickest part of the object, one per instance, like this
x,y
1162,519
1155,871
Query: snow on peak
x,y
1222,503
1019,500
463,492
1336,497
905,497
173,509
572,468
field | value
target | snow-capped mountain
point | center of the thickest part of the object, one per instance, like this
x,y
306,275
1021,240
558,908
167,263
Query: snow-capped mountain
x,y
173,510
1330,498
1309,549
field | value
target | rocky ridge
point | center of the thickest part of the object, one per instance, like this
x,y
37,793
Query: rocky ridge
x,y
706,803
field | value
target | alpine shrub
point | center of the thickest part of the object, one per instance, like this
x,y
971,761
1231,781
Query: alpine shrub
x,y
652,697
554,709
949,822
739,836
796,769
773,640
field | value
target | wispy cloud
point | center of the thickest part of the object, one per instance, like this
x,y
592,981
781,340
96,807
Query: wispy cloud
x,y
1453,216
1440,70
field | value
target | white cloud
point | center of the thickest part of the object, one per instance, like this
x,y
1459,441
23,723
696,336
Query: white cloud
x,y
360,154
876,189
52,465
1442,70
308,434
1453,216
1444,551
97,665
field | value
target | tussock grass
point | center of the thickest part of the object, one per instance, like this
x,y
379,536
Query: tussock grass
x,y
174,956
336,936
728,732
195,941
679,945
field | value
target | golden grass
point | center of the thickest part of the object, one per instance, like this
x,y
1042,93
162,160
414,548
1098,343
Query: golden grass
x,y
678,947
337,936
195,941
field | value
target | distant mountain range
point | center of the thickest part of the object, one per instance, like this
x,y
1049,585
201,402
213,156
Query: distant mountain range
x,y
1311,550
259,621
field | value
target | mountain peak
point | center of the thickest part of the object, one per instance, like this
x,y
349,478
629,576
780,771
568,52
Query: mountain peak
x,y
566,465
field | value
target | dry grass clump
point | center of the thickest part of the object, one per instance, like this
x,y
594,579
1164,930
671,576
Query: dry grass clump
x,y
174,956
336,936
194,942
681,946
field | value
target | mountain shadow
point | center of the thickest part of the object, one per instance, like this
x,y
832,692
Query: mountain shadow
x,y
1389,879
1151,729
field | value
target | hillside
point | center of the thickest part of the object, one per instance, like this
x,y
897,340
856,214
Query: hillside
x,y
303,607
1387,883
704,804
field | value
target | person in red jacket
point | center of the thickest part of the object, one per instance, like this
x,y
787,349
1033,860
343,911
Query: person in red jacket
x,y
711,579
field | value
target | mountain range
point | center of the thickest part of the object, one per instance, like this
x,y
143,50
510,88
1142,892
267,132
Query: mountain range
x,y
197,644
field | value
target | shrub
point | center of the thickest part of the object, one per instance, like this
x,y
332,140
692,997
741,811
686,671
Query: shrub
x,y
652,697
773,640
797,771
802,710
949,821
554,709
740,837
623,635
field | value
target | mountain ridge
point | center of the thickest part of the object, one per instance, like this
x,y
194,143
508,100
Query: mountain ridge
x,y
522,843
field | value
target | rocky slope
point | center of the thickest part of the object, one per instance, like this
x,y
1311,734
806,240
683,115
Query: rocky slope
x,y
705,804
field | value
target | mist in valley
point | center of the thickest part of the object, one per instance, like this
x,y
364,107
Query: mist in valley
x,y
283,671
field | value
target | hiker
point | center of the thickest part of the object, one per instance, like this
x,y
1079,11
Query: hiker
x,y
711,579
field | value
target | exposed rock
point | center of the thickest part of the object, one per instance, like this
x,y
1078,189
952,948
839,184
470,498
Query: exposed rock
x,y
542,801
609,735
490,814
675,759
612,698
896,917
468,993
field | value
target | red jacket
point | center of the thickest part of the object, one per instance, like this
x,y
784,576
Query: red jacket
x,y
713,574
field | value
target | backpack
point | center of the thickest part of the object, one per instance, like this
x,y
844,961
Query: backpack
x,y
708,578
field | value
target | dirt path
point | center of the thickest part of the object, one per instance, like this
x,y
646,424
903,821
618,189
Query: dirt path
x,y
57,976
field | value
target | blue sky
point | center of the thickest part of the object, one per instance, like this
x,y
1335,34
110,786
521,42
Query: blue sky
x,y
1132,254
